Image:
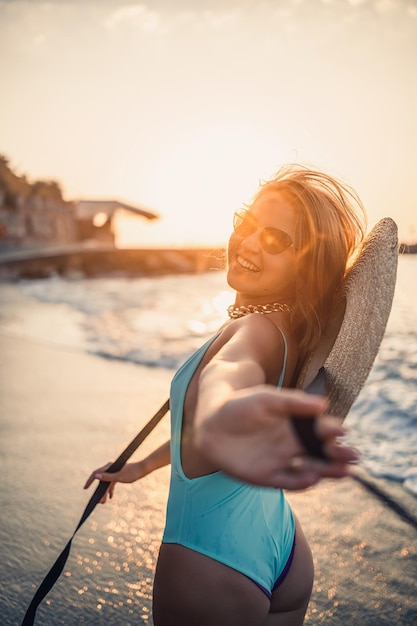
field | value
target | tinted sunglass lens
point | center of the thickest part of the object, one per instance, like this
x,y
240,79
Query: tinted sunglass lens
x,y
275,241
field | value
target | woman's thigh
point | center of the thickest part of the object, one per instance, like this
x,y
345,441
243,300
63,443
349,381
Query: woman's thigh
x,y
191,589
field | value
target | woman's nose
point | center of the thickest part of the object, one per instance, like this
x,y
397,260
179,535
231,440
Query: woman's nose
x,y
253,241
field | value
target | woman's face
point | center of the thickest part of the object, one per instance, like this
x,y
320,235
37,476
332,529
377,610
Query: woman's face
x,y
260,277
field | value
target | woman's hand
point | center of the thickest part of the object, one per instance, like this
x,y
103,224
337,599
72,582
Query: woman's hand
x,y
251,438
131,471
128,474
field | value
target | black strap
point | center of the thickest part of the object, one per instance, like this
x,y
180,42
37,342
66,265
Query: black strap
x,y
304,427
56,569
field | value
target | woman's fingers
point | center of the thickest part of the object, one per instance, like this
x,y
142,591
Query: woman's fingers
x,y
319,442
320,436
94,474
328,427
128,474
330,430
296,402
303,472
108,494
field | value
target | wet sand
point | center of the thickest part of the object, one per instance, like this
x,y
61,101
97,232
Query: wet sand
x,y
64,412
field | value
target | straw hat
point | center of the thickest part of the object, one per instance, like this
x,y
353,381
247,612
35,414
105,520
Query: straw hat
x,y
351,342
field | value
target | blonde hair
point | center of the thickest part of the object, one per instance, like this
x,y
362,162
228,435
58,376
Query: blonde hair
x,y
330,227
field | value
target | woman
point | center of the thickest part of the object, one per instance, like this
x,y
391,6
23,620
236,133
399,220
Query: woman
x,y
233,553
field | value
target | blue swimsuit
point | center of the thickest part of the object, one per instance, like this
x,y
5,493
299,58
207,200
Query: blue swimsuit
x,y
246,527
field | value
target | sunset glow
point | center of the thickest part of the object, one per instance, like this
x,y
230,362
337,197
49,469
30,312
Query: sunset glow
x,y
182,107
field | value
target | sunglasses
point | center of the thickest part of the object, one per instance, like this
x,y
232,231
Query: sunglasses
x,y
273,240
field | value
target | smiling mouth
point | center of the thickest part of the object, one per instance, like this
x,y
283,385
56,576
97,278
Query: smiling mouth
x,y
247,265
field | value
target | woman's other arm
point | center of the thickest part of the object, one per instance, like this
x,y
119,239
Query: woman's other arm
x,y
131,471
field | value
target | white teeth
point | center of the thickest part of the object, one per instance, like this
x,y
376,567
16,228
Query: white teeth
x,y
247,265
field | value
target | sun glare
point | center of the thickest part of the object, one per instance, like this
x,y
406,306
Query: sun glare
x,y
198,182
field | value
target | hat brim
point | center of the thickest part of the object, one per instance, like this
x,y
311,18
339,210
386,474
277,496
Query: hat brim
x,y
351,341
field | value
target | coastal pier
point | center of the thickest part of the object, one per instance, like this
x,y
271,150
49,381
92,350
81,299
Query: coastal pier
x,y
101,260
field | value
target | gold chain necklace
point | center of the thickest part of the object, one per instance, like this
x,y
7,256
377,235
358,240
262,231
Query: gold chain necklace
x,y
235,312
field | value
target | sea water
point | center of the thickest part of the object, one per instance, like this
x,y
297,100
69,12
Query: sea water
x,y
159,322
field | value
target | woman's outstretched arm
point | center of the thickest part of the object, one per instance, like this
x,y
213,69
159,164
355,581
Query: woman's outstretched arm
x,y
242,425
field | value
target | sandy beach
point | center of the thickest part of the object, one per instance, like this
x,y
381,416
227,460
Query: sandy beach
x,y
64,412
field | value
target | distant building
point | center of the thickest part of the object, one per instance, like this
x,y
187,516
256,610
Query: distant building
x,y
32,214
95,218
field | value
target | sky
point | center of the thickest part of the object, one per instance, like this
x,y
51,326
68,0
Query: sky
x,y
183,106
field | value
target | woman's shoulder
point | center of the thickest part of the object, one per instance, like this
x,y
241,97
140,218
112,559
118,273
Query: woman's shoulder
x,y
272,326
258,338
260,334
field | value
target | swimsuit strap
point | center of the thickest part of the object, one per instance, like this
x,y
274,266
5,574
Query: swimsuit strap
x,y
284,364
